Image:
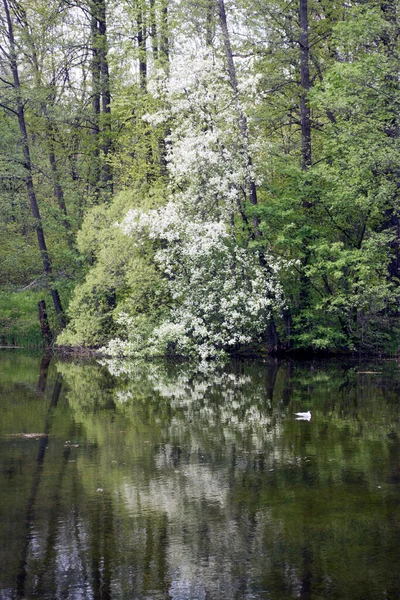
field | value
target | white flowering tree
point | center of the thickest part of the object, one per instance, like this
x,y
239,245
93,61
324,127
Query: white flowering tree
x,y
222,293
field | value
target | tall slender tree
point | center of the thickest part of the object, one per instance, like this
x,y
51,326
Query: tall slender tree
x,y
20,113
101,98
142,40
305,113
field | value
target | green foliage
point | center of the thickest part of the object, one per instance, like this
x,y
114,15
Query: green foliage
x,y
339,219
19,259
121,278
19,320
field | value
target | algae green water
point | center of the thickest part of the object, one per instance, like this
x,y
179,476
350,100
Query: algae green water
x,y
161,481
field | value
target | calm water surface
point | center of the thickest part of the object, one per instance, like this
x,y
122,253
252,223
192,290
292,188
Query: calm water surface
x,y
157,481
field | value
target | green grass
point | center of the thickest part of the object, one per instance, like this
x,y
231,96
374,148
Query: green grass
x,y
19,314
19,318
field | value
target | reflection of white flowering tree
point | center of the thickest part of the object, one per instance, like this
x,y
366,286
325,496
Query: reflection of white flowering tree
x,y
222,292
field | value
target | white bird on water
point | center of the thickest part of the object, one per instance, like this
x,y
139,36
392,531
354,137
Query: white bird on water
x,y
303,416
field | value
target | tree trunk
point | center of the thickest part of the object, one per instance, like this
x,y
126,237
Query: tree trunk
x,y
241,116
44,322
163,57
305,115
305,120
96,99
164,36
47,267
141,37
153,30
101,100
106,173
210,23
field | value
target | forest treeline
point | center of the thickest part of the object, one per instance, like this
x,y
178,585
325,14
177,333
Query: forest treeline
x,y
202,177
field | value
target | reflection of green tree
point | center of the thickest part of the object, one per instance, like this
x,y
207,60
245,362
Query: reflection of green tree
x,y
18,368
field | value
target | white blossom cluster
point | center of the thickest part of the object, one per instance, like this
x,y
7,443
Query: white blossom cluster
x,y
207,154
222,294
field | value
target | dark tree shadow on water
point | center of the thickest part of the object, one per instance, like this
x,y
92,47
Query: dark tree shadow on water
x,y
22,573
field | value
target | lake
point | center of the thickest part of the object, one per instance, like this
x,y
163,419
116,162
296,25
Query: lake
x,y
150,481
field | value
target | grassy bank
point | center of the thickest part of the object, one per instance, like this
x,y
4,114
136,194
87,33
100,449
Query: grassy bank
x,y
19,317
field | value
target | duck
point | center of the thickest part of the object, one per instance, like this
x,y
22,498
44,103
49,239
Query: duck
x,y
304,416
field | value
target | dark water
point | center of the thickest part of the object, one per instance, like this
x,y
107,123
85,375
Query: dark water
x,y
162,482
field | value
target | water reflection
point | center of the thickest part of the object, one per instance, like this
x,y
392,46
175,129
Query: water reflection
x,y
158,481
